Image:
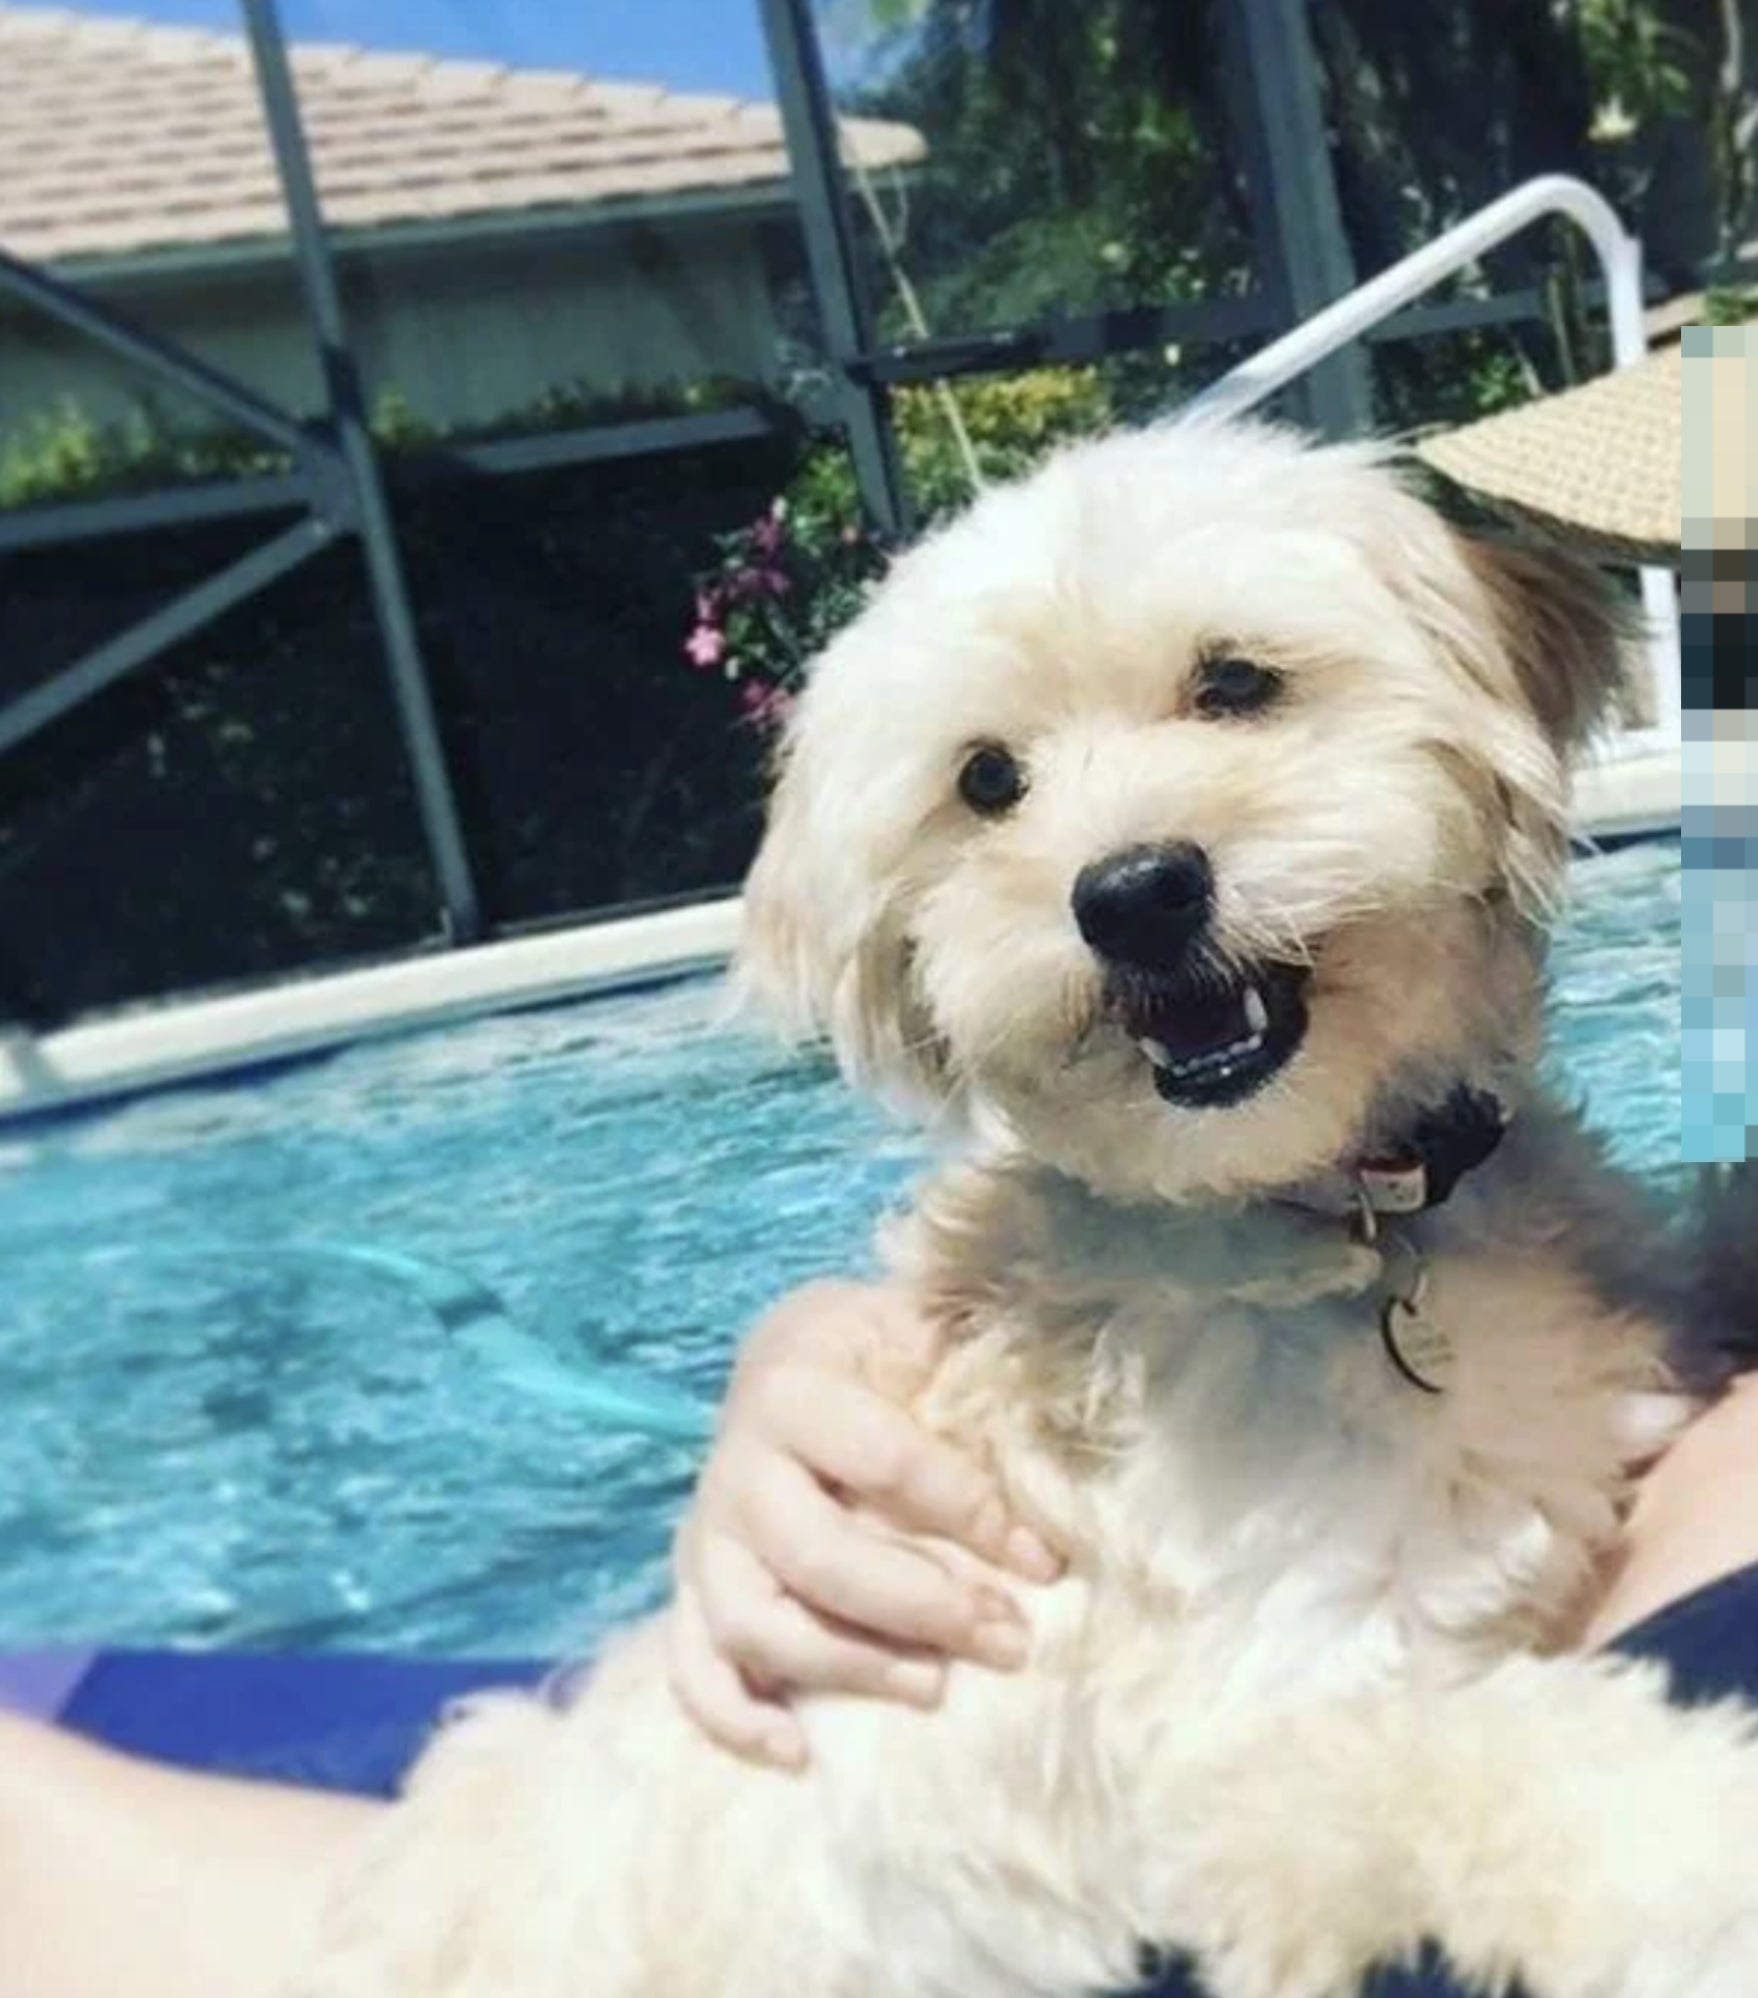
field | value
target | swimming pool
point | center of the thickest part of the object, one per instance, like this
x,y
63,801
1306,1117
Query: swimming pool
x,y
259,1341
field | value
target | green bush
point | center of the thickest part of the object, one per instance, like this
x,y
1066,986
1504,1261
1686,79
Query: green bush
x,y
1011,421
1730,305
63,453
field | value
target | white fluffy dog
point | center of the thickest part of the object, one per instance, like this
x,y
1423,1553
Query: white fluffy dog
x,y
1181,821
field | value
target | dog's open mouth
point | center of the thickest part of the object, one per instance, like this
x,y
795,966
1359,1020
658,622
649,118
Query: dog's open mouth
x,y
1214,1039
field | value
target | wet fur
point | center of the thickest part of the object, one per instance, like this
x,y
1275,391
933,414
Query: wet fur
x,y
1291,1710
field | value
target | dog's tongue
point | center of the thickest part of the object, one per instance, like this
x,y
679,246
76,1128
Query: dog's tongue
x,y
1194,1024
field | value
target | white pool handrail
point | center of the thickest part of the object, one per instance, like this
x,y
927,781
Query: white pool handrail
x,y
1285,359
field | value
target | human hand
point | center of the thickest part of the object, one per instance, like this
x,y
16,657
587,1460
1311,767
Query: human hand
x,y
796,1566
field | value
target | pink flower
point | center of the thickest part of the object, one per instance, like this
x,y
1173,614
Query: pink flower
x,y
766,707
770,532
709,605
705,646
754,582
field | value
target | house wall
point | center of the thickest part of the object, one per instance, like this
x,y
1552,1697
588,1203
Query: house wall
x,y
469,331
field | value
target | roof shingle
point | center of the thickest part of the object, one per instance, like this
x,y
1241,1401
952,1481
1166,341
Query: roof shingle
x,y
119,137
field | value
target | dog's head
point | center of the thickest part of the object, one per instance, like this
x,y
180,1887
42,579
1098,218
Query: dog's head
x,y
1186,808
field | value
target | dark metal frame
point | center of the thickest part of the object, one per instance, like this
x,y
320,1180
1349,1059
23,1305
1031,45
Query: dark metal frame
x,y
858,402
335,485
1294,192
355,460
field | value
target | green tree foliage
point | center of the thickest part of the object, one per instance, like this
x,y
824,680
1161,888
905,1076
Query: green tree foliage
x,y
1091,156
1072,166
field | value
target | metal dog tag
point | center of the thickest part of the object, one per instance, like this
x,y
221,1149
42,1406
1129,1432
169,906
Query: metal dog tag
x,y
1416,1344
1394,1186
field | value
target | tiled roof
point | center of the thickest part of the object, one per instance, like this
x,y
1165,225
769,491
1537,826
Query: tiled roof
x,y
118,136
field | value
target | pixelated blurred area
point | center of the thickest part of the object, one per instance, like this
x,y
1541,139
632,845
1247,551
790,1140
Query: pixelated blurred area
x,y
1720,481
1719,603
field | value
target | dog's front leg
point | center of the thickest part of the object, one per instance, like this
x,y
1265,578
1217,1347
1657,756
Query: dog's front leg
x,y
1554,1825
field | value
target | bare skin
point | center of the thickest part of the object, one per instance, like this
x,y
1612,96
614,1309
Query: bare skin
x,y
1695,1518
125,1879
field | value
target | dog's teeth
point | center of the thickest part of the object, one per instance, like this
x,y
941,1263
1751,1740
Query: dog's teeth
x,y
1220,1061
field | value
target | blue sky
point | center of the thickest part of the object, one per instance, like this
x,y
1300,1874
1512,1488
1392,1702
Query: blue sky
x,y
686,44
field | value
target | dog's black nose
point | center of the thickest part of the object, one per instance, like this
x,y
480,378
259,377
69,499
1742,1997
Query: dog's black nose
x,y
1145,905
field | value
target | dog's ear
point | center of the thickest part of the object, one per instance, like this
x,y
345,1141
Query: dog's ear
x,y
823,950
1564,631
1555,643
1540,642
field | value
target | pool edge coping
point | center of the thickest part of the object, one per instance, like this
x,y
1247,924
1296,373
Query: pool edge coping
x,y
185,1041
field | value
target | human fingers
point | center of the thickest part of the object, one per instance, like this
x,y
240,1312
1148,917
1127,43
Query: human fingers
x,y
715,1695
848,1570
859,1442
786,1645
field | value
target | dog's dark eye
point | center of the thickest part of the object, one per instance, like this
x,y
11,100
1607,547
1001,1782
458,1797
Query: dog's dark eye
x,y
989,781
1234,686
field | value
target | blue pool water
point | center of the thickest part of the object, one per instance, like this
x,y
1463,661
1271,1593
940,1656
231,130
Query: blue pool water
x,y
279,1358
